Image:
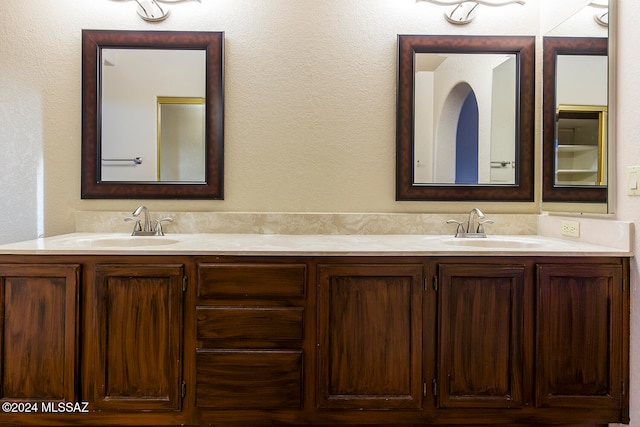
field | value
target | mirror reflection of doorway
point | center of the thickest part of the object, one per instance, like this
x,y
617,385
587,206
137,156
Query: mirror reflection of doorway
x,y
581,132
445,142
457,141
442,85
181,139
467,142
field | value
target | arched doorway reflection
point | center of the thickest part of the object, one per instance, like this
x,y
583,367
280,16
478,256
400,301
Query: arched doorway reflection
x,y
467,142
456,146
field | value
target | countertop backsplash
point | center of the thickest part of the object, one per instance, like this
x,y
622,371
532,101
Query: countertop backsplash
x,y
597,231
306,223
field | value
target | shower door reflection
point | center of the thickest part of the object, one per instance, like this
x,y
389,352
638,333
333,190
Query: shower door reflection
x,y
181,138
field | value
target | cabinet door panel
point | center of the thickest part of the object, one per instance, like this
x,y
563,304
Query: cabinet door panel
x,y
249,379
139,331
579,316
370,336
38,317
481,336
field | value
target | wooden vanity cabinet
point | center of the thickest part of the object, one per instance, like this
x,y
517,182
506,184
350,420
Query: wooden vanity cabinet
x,y
481,321
39,332
345,340
137,332
545,338
250,321
369,336
581,334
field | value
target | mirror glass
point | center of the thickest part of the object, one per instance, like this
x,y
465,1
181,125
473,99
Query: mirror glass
x,y
133,81
465,118
152,114
580,145
576,137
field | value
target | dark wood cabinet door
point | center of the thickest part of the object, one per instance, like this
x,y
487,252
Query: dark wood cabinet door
x,y
39,324
481,323
138,319
370,336
579,336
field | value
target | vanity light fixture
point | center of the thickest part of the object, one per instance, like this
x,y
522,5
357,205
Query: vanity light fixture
x,y
152,11
464,11
602,15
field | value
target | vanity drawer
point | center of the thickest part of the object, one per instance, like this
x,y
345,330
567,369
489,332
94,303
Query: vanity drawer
x,y
245,379
250,323
251,280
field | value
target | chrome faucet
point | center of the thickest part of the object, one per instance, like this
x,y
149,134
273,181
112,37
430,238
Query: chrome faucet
x,y
472,230
470,225
146,229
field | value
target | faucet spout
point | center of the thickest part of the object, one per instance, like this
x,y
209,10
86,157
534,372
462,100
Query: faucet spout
x,y
147,228
146,225
470,224
473,229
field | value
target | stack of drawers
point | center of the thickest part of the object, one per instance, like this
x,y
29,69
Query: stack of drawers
x,y
250,327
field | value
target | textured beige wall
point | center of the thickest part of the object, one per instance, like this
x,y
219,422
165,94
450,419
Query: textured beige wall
x,y
309,97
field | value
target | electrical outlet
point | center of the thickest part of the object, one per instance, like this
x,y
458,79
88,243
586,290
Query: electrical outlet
x,y
570,228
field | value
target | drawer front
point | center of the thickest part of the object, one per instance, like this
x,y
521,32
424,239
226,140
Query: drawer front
x,y
252,323
249,379
251,280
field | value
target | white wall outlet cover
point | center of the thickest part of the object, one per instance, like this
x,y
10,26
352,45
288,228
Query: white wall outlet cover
x,y
570,228
633,180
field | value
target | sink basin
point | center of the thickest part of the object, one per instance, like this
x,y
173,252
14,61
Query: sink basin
x,y
489,242
129,242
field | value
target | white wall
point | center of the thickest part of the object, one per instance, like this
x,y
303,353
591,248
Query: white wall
x,y
574,73
628,154
503,130
423,127
21,166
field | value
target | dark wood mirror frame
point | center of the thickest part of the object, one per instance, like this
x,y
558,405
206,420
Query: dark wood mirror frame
x,y
524,49
92,185
552,47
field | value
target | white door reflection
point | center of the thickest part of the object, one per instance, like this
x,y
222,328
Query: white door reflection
x,y
181,136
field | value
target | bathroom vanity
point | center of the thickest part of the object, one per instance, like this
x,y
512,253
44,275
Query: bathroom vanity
x,y
326,330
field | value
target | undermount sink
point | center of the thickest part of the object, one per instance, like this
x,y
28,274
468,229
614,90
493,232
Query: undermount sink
x,y
130,241
489,242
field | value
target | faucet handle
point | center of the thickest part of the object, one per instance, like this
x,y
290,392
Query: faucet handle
x,y
158,228
459,229
481,227
136,226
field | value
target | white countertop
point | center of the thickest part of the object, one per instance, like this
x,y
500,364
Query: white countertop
x,y
305,245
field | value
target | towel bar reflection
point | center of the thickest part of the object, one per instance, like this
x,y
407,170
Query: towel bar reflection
x,y
500,163
135,160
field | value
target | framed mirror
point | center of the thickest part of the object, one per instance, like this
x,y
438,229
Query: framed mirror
x,y
152,114
465,118
576,135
